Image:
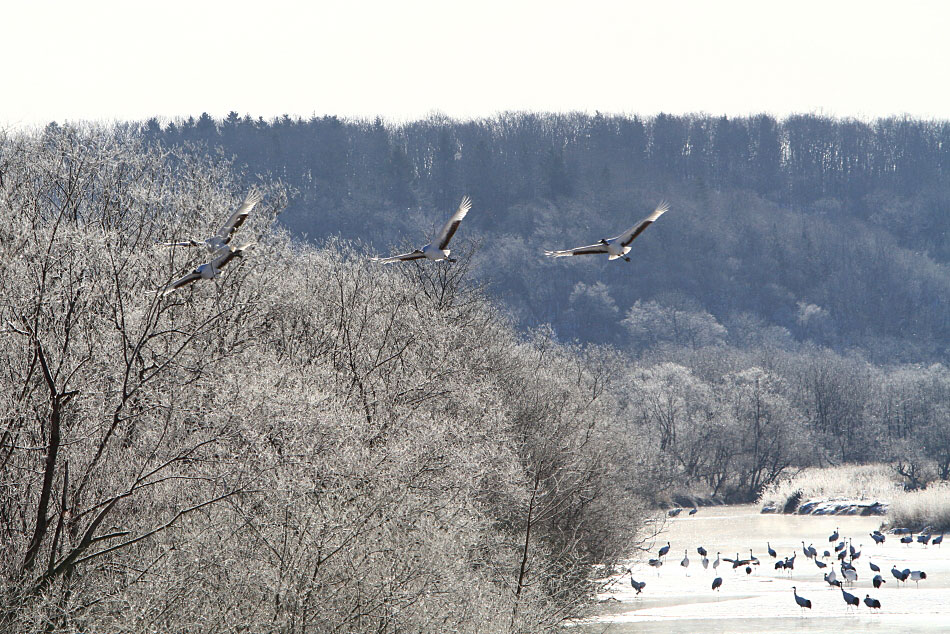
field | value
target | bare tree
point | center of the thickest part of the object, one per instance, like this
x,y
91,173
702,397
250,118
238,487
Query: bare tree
x,y
96,359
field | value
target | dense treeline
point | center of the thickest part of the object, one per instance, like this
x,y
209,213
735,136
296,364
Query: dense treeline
x,y
309,443
515,158
810,224
794,294
731,421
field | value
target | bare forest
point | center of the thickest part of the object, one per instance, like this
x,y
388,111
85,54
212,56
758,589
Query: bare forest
x,y
314,442
309,443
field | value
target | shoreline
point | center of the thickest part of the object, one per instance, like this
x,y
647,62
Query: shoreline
x,y
831,506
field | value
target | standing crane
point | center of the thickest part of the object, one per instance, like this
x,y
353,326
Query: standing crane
x,y
637,585
899,575
801,601
871,603
752,559
850,574
916,576
849,598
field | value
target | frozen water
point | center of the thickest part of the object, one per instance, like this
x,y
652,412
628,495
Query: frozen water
x,y
763,601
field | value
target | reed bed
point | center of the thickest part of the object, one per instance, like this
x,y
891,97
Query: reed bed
x,y
874,482
927,509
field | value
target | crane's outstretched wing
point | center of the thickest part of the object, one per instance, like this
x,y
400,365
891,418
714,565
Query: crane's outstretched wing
x,y
630,234
453,224
194,276
402,257
239,216
588,250
186,243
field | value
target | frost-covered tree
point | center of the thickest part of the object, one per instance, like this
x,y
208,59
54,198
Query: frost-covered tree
x,y
651,323
307,443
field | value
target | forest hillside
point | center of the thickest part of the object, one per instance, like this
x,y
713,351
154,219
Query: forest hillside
x,y
789,310
807,229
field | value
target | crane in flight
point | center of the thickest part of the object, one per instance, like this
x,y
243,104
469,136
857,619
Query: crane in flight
x,y
437,250
210,269
222,239
618,246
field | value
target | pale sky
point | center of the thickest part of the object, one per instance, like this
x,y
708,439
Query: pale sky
x,y
402,60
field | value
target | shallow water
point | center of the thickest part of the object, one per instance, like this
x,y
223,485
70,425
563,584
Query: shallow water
x,y
679,599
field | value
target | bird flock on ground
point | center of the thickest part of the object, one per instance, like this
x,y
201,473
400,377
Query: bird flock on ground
x,y
840,548
222,251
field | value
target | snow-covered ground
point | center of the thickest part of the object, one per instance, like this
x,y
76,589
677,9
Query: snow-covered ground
x,y
681,600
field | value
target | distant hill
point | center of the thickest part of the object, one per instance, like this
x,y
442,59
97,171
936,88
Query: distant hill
x,y
805,229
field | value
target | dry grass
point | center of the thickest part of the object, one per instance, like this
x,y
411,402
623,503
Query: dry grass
x,y
875,482
921,509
